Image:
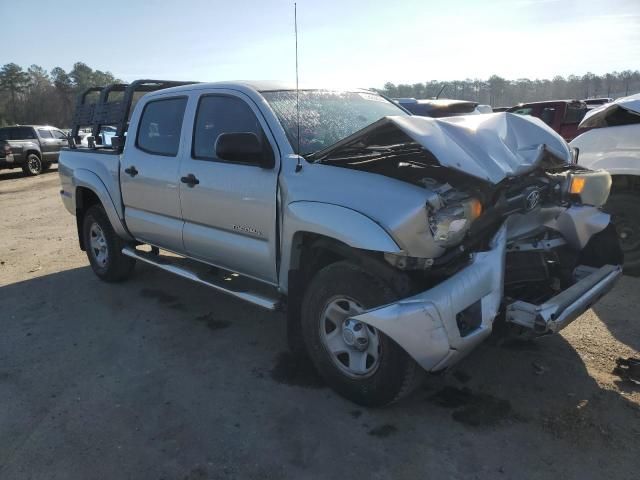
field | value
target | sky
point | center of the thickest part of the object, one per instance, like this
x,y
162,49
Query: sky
x,y
340,42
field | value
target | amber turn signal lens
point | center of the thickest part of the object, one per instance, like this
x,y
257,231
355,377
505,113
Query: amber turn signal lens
x,y
476,209
577,185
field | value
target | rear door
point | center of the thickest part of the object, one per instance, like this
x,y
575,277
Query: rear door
x,y
48,145
149,173
230,215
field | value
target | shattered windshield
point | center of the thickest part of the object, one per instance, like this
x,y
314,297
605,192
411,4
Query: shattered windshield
x,y
326,116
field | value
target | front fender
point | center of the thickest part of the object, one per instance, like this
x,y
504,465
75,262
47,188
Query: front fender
x,y
340,223
334,221
87,179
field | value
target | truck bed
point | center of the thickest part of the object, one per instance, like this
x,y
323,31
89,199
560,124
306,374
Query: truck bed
x,y
103,163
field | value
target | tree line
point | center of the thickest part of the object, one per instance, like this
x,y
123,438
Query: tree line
x,y
35,96
500,92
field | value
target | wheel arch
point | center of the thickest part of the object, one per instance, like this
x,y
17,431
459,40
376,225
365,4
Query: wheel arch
x,y
32,150
342,225
90,190
312,247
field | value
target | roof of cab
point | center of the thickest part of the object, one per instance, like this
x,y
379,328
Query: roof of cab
x,y
256,85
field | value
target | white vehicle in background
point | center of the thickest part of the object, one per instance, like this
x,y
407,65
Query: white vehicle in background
x,y
613,144
106,133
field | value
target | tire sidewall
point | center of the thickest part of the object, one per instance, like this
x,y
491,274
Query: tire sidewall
x,y
625,205
97,215
345,279
30,157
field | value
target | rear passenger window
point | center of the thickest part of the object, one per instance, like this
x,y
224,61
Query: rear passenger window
x,y
220,114
59,134
23,133
44,133
548,115
160,126
523,111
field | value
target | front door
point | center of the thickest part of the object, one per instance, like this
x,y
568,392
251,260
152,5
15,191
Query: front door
x,y
149,173
230,215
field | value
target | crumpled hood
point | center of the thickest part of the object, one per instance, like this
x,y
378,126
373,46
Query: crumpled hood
x,y
599,117
491,147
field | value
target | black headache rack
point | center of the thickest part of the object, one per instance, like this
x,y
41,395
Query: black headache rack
x,y
112,109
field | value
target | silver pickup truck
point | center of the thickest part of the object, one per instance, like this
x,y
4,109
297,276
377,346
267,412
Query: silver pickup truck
x,y
394,243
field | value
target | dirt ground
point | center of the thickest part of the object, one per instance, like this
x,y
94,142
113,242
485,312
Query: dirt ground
x,y
160,378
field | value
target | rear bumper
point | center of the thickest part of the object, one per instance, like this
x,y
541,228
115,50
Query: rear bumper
x,y
10,161
440,326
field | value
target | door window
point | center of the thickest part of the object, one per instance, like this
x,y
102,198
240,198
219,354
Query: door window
x,y
22,133
58,134
44,133
523,111
548,115
574,114
160,126
220,114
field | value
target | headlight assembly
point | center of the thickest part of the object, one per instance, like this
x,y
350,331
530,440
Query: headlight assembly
x,y
590,187
451,223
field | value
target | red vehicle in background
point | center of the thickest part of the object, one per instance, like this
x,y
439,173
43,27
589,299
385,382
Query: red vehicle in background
x,y
561,115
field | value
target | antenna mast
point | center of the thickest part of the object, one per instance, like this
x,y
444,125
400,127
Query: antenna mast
x,y
295,27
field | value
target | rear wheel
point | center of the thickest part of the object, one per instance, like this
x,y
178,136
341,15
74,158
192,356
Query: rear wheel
x,y
104,247
358,361
33,166
625,214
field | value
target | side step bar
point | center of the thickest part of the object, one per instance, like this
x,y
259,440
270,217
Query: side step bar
x,y
201,273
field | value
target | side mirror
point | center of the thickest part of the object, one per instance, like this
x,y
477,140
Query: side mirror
x,y
244,147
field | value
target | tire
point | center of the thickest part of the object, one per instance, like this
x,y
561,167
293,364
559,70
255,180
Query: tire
x,y
382,375
625,215
104,247
33,166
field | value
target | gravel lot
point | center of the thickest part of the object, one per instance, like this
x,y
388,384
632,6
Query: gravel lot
x,y
160,378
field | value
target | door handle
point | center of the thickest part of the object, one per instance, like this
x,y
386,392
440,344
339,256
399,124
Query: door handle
x,y
131,171
190,180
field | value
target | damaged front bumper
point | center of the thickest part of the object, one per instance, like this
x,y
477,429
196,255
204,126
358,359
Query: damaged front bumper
x,y
438,327
559,311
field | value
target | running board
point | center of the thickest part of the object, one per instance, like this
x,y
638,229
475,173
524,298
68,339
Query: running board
x,y
249,290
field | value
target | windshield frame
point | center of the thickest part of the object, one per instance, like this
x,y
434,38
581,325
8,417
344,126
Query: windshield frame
x,y
292,139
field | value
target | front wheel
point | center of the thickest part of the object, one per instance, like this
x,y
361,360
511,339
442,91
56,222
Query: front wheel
x,y
625,215
104,247
358,361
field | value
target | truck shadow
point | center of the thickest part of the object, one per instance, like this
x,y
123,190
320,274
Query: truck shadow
x,y
158,340
15,173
